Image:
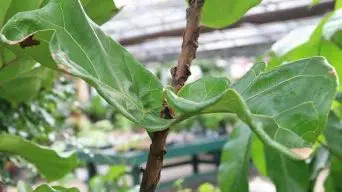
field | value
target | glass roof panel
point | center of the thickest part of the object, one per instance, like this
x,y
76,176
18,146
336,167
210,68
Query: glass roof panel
x,y
151,16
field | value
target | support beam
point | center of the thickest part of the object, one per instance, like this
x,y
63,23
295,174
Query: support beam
x,y
260,18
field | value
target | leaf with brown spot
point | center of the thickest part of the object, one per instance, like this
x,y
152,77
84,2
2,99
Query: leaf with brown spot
x,y
29,42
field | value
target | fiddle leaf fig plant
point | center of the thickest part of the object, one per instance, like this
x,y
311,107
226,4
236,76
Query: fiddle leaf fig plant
x,y
275,104
280,106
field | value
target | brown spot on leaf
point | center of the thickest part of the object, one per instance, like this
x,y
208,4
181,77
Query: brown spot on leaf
x,y
29,42
332,72
302,153
64,69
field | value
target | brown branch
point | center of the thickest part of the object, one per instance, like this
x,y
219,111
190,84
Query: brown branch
x,y
154,164
180,74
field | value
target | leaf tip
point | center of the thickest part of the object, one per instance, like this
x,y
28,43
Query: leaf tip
x,y
332,72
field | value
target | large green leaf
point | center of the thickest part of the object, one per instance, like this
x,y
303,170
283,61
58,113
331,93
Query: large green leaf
x,y
11,7
308,42
99,11
4,5
22,78
333,134
221,13
50,164
280,106
26,86
287,174
233,171
28,83
81,49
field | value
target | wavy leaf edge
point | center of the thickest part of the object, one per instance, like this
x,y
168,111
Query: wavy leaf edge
x,y
188,108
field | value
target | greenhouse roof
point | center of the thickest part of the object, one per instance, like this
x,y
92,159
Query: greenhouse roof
x,y
152,29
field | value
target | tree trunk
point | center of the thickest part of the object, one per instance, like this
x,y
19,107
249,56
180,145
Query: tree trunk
x,y
180,74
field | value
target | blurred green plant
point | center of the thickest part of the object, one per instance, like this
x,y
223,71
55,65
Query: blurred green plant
x,y
24,187
113,180
204,187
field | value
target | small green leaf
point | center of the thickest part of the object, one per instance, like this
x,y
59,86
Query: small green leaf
x,y
233,171
47,188
280,106
222,13
100,11
207,187
80,48
115,172
50,164
97,184
23,187
315,2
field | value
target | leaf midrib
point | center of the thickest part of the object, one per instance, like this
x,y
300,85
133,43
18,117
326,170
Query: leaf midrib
x,y
138,105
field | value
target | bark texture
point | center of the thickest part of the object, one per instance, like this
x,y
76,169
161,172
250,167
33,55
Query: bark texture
x,y
180,74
